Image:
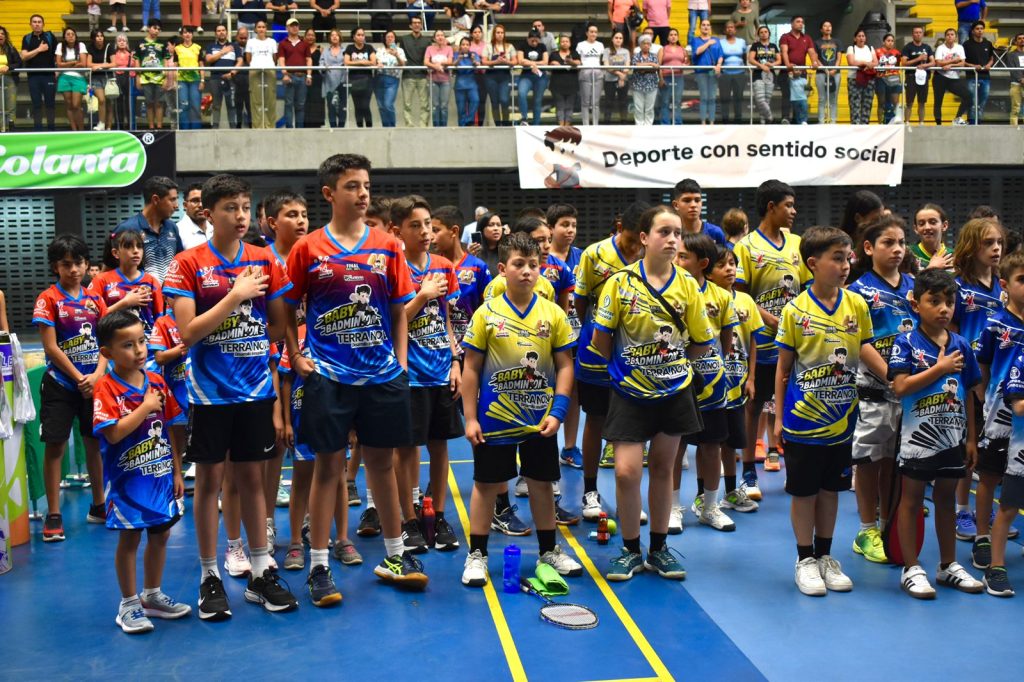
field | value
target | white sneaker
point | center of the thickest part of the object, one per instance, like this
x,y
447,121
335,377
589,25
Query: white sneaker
x,y
591,506
675,519
958,121
643,518
738,500
808,578
284,496
521,488
698,505
271,536
99,126
556,489
686,460
832,574
713,516
190,473
112,29
915,583
475,572
956,576
236,563
561,562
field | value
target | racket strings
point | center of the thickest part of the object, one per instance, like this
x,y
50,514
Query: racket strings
x,y
569,615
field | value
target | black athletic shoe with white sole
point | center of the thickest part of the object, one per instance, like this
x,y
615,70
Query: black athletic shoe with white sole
x,y
213,601
267,590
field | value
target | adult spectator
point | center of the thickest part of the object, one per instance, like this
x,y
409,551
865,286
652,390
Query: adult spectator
x,y
699,11
707,53
414,90
672,57
919,54
478,45
830,54
888,86
565,84
1015,60
192,15
547,39
746,19
38,50
532,56
438,58
223,54
688,202
616,80
316,110
121,58
254,10
980,54
860,85
644,81
10,60
381,21
796,47
153,52
291,53
655,49
391,59
948,56
467,93
470,228
161,239
968,12
73,83
281,13
658,14
764,54
591,52
359,53
618,13
324,19
734,76
189,55
335,83
243,107
100,52
259,55
500,56
193,228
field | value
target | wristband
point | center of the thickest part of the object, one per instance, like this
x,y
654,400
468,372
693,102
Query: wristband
x,y
559,407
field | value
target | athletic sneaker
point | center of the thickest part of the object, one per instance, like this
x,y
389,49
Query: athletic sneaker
x,y
132,619
997,583
750,486
698,504
686,461
771,461
966,528
714,517
283,496
369,523
981,552
412,537
236,563
163,606
556,489
625,566
53,528
572,457
271,537
643,518
97,514
295,559
213,601
868,544
833,576
474,574
914,582
591,506
322,590
960,121
190,473
666,565
346,553
808,578
607,460
353,494
522,490
402,569
738,500
675,519
564,517
759,452
561,562
267,590
508,523
444,536
957,576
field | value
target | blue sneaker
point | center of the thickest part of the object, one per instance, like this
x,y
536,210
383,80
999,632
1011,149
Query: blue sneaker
x,y
572,457
966,528
624,566
508,523
666,565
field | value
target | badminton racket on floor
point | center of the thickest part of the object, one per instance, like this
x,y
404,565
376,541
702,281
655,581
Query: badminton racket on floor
x,y
568,616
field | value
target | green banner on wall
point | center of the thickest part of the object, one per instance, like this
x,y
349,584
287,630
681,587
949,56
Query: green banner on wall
x,y
33,161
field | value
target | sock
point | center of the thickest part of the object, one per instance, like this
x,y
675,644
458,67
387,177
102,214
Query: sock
x,y
750,466
545,540
208,565
129,601
589,484
394,546
369,499
151,591
822,546
632,545
963,508
657,541
804,552
260,558
318,557
502,503
867,526
234,544
700,486
730,483
710,498
416,494
478,542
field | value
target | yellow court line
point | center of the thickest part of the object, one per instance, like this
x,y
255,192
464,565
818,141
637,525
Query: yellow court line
x,y
627,621
633,679
508,645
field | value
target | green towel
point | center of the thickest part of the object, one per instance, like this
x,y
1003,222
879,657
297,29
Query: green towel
x,y
548,582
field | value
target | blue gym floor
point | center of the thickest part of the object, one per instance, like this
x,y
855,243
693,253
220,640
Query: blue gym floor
x,y
738,614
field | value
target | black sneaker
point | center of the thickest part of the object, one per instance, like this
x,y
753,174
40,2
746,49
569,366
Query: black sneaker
x,y
981,552
267,590
353,494
97,514
506,522
444,536
997,583
412,537
403,570
53,528
369,524
213,601
322,591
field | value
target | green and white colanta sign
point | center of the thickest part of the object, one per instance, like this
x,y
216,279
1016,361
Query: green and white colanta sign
x,y
70,160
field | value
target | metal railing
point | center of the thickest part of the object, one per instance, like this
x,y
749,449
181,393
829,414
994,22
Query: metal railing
x,y
422,12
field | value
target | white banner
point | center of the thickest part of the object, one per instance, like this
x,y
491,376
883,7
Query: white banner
x,y
716,156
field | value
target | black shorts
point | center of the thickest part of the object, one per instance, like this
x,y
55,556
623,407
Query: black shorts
x,y
638,421
764,383
993,457
594,399
716,428
811,467
946,464
1012,492
157,529
380,414
246,430
58,409
434,414
538,459
736,422
918,92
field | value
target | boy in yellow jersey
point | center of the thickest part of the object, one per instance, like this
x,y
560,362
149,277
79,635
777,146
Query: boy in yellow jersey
x,y
769,268
649,324
516,384
820,336
697,257
597,264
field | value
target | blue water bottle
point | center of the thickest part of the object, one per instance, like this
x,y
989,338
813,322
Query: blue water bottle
x,y
511,574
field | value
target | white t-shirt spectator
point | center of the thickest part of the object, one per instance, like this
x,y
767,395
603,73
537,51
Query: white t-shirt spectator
x,y
191,234
263,52
590,53
942,53
861,54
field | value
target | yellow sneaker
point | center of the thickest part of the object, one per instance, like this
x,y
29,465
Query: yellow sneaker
x,y
868,544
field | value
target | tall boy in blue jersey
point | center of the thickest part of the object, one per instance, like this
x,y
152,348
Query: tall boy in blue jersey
x,y
446,223
688,201
227,300
820,336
